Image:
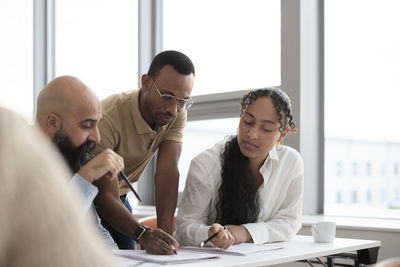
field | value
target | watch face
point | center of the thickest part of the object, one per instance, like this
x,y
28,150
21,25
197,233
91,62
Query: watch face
x,y
139,232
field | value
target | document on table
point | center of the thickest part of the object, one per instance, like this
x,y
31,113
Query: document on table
x,y
184,256
239,249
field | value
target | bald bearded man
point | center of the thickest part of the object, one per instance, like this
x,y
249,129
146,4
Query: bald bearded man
x,y
68,113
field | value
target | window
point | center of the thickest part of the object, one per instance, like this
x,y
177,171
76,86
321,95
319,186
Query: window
x,y
354,197
339,167
369,196
354,167
362,60
397,194
338,197
16,54
383,194
200,135
261,22
383,169
234,44
368,169
97,42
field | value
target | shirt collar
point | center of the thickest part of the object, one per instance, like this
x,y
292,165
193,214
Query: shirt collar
x,y
272,155
265,170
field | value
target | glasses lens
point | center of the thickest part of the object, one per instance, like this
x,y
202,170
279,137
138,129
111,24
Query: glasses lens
x,y
182,103
168,99
188,103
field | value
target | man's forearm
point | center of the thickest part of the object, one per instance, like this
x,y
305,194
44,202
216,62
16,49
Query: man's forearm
x,y
166,193
116,214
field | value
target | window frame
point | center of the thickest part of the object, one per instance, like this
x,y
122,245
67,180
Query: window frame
x,y
43,46
302,76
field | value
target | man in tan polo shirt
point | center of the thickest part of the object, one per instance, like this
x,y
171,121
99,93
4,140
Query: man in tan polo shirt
x,y
135,124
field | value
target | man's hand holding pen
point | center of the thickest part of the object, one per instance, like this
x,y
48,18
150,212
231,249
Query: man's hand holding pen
x,y
158,242
223,238
105,165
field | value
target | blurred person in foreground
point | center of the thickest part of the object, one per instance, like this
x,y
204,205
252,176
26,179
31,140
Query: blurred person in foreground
x,y
41,224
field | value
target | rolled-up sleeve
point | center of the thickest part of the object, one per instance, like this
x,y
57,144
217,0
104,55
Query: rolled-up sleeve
x,y
87,191
175,133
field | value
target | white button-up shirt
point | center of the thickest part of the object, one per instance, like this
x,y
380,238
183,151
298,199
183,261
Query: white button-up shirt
x,y
88,191
280,197
87,194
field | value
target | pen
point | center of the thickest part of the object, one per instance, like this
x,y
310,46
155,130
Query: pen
x,y
129,184
208,239
173,248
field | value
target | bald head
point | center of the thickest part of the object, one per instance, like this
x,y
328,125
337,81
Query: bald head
x,y
62,96
66,100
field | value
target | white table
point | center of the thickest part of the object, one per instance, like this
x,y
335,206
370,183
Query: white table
x,y
300,248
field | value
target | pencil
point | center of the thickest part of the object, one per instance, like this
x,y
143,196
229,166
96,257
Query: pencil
x,y
129,184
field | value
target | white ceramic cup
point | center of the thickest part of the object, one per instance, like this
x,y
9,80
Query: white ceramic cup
x,y
323,232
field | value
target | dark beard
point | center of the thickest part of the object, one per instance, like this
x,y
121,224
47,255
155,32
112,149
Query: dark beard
x,y
76,157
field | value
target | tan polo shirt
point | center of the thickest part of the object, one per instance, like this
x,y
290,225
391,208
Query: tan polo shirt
x,y
124,130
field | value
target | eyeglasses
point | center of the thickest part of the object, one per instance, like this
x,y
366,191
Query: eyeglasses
x,y
183,103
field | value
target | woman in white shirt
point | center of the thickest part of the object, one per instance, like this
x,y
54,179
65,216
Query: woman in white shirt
x,y
249,187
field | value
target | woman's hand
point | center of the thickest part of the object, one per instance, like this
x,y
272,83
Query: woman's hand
x,y
239,233
224,238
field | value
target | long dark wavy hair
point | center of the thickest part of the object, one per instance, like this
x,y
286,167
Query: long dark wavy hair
x,y
238,197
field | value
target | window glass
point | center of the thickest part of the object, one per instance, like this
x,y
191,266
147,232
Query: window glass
x,y
362,92
16,56
97,41
200,135
234,44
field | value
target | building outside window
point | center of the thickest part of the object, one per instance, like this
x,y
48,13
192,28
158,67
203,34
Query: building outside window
x,y
237,47
362,59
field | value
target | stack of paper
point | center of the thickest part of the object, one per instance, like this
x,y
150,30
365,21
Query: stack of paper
x,y
184,256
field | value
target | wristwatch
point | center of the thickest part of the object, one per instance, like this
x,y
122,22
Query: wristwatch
x,y
139,232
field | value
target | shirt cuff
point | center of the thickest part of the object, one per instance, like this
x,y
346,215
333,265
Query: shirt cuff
x,y
203,235
87,191
255,233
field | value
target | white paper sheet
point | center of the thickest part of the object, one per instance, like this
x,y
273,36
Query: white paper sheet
x,y
239,249
184,256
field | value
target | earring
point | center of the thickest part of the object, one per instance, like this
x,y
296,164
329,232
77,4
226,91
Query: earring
x,y
279,145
